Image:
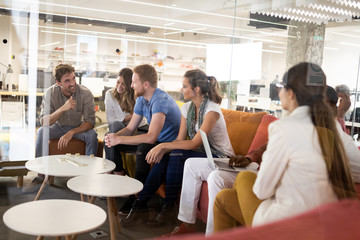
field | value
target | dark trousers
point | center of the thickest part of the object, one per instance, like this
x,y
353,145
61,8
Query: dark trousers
x,y
170,169
114,153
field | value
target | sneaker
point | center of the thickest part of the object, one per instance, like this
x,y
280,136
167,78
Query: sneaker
x,y
126,207
33,186
180,230
138,212
167,215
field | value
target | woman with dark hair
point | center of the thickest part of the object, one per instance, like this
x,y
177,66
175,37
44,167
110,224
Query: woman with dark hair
x,y
201,112
305,164
120,101
119,107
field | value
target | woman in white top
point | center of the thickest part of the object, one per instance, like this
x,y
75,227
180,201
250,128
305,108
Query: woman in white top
x,y
201,112
305,164
119,106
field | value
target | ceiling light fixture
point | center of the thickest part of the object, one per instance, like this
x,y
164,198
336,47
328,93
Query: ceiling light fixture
x,y
152,17
161,41
272,51
205,13
349,44
168,24
347,35
50,44
331,48
272,46
126,36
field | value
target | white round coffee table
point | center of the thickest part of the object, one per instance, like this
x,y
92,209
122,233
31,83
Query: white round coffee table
x,y
107,185
68,166
54,218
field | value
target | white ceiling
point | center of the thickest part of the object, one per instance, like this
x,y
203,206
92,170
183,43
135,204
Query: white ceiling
x,y
200,21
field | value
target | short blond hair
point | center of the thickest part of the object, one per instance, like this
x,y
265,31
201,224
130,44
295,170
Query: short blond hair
x,y
148,73
62,69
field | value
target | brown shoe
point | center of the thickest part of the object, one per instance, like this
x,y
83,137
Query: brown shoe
x,y
180,230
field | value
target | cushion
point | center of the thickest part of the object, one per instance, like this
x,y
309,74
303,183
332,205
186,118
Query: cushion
x,y
241,128
333,221
261,135
74,146
202,209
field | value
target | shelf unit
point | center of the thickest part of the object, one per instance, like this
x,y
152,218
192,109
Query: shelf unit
x,y
167,68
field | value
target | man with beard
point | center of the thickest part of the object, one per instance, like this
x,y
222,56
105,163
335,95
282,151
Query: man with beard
x,y
162,114
67,111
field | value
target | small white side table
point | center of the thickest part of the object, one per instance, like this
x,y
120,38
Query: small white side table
x,y
68,166
107,185
54,218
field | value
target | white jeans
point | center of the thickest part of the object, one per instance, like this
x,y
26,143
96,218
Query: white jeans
x,y
197,170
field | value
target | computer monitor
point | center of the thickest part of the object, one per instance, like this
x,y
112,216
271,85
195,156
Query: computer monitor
x,y
255,88
44,79
274,95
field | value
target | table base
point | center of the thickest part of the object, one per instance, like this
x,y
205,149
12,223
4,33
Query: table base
x,y
113,215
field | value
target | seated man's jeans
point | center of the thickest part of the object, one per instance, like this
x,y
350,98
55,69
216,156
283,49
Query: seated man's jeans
x,y
45,134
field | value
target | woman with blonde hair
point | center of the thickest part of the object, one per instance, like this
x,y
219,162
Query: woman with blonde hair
x,y
305,164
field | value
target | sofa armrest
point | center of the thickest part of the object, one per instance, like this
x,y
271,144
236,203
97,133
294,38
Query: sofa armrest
x,y
202,209
339,220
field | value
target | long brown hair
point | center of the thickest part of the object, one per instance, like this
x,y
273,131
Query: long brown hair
x,y
208,85
308,82
126,99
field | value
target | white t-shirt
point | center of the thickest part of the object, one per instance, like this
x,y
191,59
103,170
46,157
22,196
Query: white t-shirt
x,y
218,136
114,113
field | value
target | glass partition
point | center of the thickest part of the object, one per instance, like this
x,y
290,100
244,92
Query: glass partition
x,y
246,45
242,44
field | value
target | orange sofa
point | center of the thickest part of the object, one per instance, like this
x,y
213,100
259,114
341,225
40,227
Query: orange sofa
x,y
247,131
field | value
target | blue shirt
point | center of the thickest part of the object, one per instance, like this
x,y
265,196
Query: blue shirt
x,y
161,102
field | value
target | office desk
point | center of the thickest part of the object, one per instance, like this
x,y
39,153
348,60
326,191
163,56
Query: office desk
x,y
12,113
18,93
54,218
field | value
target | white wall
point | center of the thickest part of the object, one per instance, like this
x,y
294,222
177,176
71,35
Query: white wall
x,y
272,64
341,66
5,33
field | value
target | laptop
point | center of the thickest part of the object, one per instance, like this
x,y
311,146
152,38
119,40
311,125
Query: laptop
x,y
223,163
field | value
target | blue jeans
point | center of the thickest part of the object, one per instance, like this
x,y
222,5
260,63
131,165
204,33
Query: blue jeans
x,y
54,131
170,169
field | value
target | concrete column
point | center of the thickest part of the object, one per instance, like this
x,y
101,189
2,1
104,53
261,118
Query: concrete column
x,y
308,46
